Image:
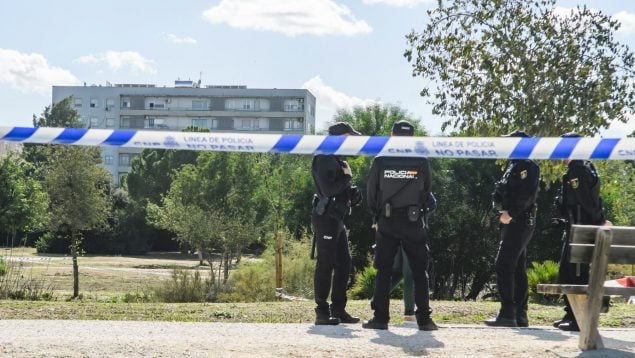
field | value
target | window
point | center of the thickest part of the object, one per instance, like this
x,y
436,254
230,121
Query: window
x,y
125,122
94,122
251,123
155,123
199,122
94,103
110,122
125,102
293,124
124,159
122,177
214,123
110,103
294,105
108,159
199,104
247,104
78,102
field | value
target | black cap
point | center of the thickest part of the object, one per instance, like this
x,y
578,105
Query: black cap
x,y
403,128
571,135
341,128
517,133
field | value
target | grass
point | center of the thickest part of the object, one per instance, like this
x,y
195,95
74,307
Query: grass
x,y
116,288
445,312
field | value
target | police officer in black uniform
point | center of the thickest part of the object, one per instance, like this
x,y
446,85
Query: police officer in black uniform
x,y
515,200
397,192
332,202
580,203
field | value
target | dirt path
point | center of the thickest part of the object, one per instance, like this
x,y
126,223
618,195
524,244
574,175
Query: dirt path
x,y
176,339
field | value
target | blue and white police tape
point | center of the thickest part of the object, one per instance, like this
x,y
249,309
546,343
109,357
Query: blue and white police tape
x,y
448,147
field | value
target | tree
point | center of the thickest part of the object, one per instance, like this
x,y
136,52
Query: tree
x,y
23,202
78,189
499,65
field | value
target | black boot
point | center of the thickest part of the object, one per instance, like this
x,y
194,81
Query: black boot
x,y
427,324
374,324
506,318
521,319
324,319
344,317
571,326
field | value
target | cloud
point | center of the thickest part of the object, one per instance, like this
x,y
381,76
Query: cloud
x,y
30,72
117,60
288,17
627,20
330,99
179,40
399,3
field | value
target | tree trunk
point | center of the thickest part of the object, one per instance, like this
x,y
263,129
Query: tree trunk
x,y
200,254
225,266
74,245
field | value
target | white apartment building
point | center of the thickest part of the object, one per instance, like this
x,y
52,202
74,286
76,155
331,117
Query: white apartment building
x,y
217,108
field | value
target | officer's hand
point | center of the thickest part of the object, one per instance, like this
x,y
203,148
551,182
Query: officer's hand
x,y
607,223
375,226
347,169
556,222
505,218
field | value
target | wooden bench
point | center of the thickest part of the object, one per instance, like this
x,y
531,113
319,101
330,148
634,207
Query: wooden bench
x,y
599,246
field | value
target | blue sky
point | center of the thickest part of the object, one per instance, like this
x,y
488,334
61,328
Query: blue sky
x,y
347,52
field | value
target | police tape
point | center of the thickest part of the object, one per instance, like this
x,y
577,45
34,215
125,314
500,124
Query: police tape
x,y
439,147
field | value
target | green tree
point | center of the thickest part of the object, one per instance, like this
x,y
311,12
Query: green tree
x,y
78,189
23,202
498,65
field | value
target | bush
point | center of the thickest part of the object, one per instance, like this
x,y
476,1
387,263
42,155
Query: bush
x,y
53,243
254,280
3,267
365,285
183,286
542,273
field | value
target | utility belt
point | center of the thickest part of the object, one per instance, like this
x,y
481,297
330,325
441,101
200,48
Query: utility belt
x,y
529,216
412,212
330,207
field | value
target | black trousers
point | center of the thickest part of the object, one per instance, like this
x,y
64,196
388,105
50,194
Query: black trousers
x,y
411,236
573,274
334,263
511,268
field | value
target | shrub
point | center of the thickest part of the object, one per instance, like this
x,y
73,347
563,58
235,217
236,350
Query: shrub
x,y
3,267
183,286
254,280
542,273
365,285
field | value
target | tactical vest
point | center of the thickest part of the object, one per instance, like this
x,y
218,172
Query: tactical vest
x,y
401,182
570,201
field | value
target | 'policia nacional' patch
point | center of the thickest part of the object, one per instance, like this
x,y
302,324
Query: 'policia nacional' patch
x,y
523,174
574,183
400,174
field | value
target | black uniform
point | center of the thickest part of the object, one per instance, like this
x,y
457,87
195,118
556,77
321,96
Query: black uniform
x,y
331,203
516,193
397,192
581,204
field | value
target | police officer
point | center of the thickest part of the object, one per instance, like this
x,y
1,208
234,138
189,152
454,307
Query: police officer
x,y
580,203
397,192
515,200
332,202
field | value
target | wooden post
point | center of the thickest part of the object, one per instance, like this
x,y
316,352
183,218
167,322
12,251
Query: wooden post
x,y
279,260
589,336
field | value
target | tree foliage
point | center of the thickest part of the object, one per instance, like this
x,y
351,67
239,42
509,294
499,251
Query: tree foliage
x,y
498,65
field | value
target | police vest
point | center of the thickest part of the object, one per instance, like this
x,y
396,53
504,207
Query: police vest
x,y
402,181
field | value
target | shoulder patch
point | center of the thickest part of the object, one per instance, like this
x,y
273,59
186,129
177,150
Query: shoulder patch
x,y
575,183
523,174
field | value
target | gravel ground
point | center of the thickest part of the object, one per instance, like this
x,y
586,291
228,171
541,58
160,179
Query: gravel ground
x,y
46,338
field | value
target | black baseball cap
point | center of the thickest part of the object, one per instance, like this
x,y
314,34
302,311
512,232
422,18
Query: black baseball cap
x,y
403,128
517,133
341,128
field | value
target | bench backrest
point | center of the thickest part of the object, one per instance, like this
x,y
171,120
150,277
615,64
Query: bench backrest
x,y
622,250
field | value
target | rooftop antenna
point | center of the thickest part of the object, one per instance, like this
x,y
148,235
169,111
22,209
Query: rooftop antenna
x,y
200,78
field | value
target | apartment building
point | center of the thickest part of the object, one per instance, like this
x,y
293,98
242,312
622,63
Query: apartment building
x,y
217,108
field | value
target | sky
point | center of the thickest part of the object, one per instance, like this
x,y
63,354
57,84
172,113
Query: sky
x,y
346,52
